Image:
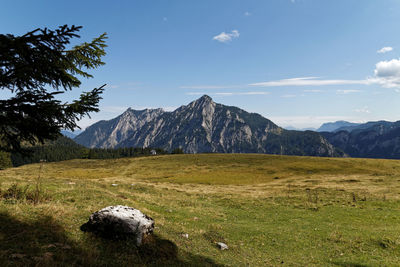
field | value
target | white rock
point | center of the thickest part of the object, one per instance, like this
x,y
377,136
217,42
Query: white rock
x,y
114,184
120,222
185,235
222,246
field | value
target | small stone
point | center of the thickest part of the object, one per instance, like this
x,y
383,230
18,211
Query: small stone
x,y
185,235
222,246
195,218
71,183
114,184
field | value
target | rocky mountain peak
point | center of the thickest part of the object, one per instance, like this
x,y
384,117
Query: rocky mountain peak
x,y
203,101
205,98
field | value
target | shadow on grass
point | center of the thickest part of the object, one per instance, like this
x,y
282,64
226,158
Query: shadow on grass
x,y
45,243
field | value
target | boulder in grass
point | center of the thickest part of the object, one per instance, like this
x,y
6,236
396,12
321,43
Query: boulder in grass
x,y
120,222
222,246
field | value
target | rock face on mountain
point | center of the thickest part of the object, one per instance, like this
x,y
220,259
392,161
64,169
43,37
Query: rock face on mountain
x,y
204,126
379,139
109,134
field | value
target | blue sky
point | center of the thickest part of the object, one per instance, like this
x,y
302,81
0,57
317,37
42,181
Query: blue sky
x,y
296,62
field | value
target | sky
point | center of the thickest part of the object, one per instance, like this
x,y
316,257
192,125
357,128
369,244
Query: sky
x,y
299,63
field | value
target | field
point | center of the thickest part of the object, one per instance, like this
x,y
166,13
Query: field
x,y
269,210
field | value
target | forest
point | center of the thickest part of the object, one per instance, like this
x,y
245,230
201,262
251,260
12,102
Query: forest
x,y
65,148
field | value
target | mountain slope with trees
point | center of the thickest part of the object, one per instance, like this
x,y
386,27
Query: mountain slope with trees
x,y
379,139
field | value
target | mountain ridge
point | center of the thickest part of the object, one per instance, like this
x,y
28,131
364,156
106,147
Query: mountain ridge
x,y
204,126
335,126
379,139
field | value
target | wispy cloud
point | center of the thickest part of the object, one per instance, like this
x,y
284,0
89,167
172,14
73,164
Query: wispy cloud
x,y
363,110
229,93
210,86
247,13
348,91
224,37
385,50
113,109
386,74
307,81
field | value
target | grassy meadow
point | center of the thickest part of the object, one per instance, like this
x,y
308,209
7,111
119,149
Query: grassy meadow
x,y
269,210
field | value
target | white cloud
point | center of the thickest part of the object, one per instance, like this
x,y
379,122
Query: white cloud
x,y
307,81
388,68
209,86
165,19
363,110
229,93
349,91
113,109
224,37
387,73
385,50
247,13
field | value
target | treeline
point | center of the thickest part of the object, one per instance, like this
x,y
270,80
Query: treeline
x,y
65,148
100,153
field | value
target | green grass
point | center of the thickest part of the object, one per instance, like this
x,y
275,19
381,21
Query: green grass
x,y
270,210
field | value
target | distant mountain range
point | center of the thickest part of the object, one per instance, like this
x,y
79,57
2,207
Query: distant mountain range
x,y
291,128
204,126
334,126
70,134
380,139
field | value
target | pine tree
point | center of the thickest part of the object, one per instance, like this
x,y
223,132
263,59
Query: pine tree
x,y
35,68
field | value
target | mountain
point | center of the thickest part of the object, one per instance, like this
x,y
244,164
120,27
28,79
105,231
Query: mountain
x,y
70,134
334,126
204,126
363,126
380,139
291,128
109,134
